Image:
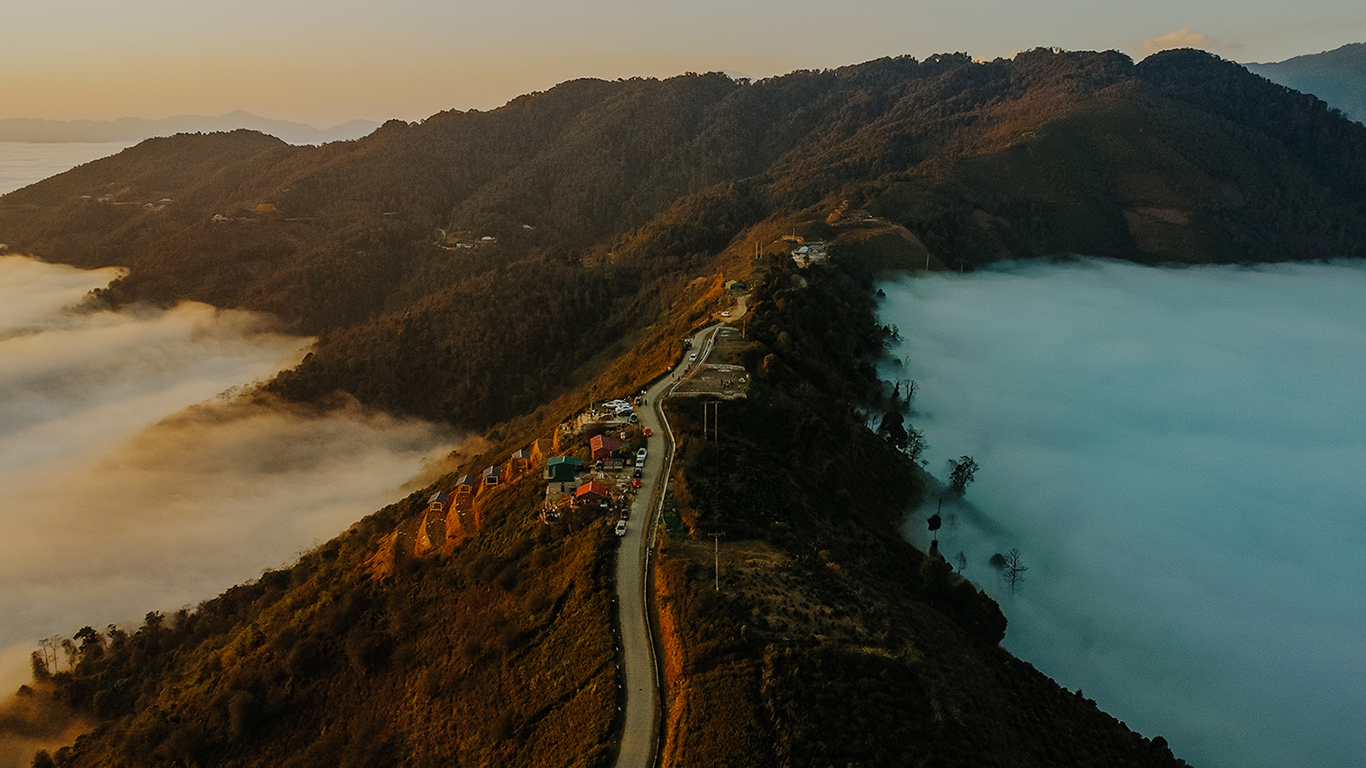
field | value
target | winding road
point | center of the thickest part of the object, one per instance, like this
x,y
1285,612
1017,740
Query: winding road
x,y
640,732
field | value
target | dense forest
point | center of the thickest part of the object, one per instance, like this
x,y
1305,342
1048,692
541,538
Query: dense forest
x,y
501,270
564,218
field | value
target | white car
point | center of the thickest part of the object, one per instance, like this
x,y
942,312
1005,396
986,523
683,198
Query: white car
x,y
726,313
692,358
621,527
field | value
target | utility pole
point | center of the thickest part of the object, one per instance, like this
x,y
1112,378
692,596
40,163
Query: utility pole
x,y
717,558
709,409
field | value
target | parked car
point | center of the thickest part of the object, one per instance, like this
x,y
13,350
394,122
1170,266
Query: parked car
x,y
637,473
635,483
621,527
726,313
640,454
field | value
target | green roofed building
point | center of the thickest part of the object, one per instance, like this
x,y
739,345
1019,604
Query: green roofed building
x,y
561,469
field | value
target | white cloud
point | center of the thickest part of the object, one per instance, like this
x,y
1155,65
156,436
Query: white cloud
x,y
129,486
1180,454
1184,37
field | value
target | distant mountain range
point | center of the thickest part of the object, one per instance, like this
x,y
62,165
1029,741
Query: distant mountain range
x,y
137,128
1337,76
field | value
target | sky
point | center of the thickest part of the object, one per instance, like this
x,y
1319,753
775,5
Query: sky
x,y
324,63
134,481
1179,455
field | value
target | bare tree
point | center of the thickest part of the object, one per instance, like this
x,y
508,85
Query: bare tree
x,y
1012,571
48,646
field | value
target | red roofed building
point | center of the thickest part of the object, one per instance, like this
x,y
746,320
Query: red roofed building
x,y
603,445
590,493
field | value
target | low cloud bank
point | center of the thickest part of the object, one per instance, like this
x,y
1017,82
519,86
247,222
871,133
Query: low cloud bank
x,y
23,163
1180,456
132,486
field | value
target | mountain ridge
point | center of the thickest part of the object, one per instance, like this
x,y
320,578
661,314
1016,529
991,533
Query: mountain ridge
x,y
1337,76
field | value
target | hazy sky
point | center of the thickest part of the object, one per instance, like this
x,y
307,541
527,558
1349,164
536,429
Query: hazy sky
x,y
1180,456
326,62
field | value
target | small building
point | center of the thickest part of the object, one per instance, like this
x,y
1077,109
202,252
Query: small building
x,y
519,462
562,469
439,503
464,488
590,494
491,476
603,446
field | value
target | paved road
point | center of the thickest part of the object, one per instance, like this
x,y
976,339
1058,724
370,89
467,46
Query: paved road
x,y
640,732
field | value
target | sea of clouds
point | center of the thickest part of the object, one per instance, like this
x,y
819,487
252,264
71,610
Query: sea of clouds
x,y
1180,457
23,163
134,480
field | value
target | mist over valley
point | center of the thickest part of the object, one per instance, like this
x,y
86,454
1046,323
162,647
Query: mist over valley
x,y
1180,457
137,480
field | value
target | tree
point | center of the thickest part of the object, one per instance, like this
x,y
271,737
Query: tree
x,y
961,559
39,663
915,444
1012,569
961,472
936,520
893,430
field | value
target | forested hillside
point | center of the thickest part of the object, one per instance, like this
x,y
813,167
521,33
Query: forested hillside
x,y
561,218
1337,76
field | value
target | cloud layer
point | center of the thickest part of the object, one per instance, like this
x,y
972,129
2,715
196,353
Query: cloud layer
x,y
1184,37
131,485
1180,455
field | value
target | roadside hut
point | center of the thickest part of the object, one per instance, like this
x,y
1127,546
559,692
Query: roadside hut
x,y
603,446
562,469
590,494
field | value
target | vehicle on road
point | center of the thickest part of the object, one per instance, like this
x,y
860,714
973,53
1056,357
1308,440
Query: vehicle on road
x,y
726,313
646,432
621,527
692,358
637,473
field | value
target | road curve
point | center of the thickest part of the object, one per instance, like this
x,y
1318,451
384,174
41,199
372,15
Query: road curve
x,y
640,731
